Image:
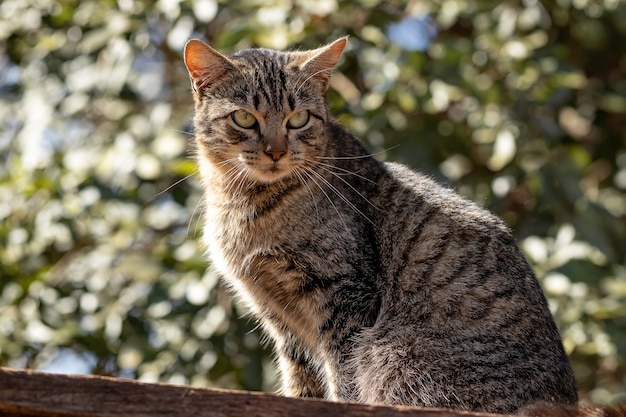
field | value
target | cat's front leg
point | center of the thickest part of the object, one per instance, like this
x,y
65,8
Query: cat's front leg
x,y
299,375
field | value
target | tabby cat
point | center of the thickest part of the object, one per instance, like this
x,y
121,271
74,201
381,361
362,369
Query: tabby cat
x,y
375,284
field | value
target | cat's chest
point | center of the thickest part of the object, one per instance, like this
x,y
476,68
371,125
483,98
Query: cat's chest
x,y
240,243
236,237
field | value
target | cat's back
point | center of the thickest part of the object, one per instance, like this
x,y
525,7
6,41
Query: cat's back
x,y
462,301
425,221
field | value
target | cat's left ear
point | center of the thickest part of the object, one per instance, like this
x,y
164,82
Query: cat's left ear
x,y
205,64
322,61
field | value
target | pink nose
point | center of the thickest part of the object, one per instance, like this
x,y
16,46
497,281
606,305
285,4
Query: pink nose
x,y
275,154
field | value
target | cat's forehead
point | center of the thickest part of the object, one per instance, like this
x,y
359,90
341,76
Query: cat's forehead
x,y
264,59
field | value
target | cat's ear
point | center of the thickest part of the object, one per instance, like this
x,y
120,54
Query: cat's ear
x,y
322,61
205,64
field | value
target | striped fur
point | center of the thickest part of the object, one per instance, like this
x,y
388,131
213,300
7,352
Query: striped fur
x,y
375,284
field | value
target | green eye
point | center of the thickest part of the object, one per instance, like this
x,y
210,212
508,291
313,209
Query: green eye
x,y
243,119
298,120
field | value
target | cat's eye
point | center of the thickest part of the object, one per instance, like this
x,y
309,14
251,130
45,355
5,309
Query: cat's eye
x,y
298,120
243,119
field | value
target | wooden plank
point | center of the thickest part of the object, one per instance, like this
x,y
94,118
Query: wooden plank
x,y
26,393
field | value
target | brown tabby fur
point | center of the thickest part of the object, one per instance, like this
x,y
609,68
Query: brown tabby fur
x,y
375,284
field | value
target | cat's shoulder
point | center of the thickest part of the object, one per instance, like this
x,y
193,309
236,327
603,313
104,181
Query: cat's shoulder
x,y
422,185
405,175
416,188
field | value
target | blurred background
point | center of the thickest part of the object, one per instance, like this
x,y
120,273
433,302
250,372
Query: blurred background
x,y
519,105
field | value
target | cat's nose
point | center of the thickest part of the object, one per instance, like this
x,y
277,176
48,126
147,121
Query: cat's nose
x,y
275,155
274,152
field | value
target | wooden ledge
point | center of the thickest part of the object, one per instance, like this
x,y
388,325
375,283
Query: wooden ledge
x,y
37,394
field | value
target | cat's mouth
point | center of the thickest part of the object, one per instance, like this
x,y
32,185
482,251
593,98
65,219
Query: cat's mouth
x,y
274,172
274,169
268,171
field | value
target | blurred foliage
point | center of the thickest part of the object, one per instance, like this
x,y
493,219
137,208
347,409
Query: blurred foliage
x,y
520,105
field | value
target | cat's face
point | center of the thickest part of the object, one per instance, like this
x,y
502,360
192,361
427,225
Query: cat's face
x,y
260,114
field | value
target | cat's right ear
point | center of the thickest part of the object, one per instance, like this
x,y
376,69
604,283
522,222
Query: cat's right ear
x,y
321,62
205,64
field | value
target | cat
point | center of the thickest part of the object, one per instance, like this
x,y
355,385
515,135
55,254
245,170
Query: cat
x,y
375,284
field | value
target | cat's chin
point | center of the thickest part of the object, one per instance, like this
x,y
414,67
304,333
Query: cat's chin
x,y
269,176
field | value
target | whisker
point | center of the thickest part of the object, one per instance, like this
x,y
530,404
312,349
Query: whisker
x,y
193,213
340,195
184,132
243,180
237,183
244,76
298,174
359,156
329,70
234,175
308,173
236,178
176,183
322,164
226,161
351,186
230,177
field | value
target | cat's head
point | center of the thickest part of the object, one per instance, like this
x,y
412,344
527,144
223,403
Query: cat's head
x,y
260,113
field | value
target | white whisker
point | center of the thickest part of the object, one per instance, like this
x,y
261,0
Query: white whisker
x,y
193,213
230,178
184,132
358,156
340,195
226,161
176,183
244,180
346,171
308,172
329,70
351,186
303,181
